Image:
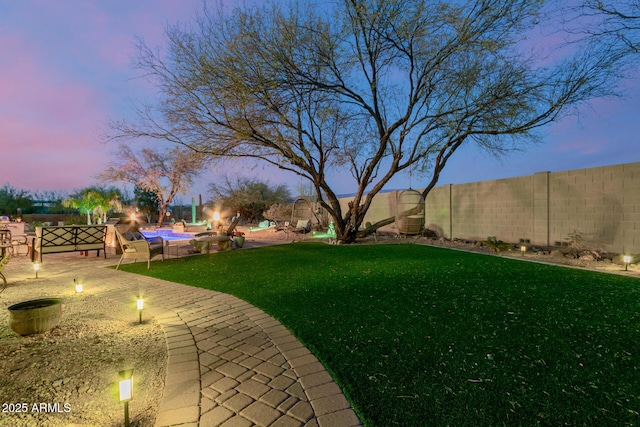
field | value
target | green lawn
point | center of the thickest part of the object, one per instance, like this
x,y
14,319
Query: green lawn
x,y
421,336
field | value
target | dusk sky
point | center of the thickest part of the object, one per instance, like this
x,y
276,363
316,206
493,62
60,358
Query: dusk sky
x,y
65,70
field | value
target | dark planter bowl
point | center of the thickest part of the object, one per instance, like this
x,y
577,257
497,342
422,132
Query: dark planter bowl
x,y
35,316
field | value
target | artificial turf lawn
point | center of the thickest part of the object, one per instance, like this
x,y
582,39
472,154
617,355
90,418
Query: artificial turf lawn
x,y
420,336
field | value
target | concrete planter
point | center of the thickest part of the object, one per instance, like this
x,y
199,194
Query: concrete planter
x,y
35,316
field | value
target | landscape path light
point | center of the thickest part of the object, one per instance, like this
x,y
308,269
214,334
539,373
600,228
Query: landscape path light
x,y
140,306
523,249
36,267
627,261
78,286
216,219
125,386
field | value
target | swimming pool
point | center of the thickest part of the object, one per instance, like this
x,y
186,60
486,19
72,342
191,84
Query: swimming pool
x,y
166,234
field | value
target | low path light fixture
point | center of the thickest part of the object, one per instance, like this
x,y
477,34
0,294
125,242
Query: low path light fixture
x,y
216,219
523,249
36,267
126,391
140,306
627,261
78,286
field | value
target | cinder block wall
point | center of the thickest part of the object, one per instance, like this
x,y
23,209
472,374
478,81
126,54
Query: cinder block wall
x,y
501,208
602,203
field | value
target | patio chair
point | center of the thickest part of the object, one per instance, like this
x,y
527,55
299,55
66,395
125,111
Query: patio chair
x,y
18,241
5,256
303,226
5,239
135,245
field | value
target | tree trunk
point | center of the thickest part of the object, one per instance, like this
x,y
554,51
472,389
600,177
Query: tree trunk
x,y
348,231
349,236
351,229
161,213
374,227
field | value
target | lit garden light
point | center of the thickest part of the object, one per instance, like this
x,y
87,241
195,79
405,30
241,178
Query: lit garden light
x,y
627,261
126,391
78,286
36,267
216,220
140,307
523,249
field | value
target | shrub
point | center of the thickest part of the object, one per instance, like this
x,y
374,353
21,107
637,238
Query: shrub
x,y
579,247
496,245
75,220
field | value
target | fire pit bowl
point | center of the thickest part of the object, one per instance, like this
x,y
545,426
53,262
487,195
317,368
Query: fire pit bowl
x,y
35,316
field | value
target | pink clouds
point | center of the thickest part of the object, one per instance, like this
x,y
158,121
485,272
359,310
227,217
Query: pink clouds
x,y
45,114
65,70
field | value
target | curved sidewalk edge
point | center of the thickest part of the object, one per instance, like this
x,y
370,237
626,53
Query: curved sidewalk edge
x,y
232,365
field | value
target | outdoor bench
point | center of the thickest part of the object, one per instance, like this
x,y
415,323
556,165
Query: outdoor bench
x,y
69,238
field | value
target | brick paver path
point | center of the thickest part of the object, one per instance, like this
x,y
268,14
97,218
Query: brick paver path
x,y
229,364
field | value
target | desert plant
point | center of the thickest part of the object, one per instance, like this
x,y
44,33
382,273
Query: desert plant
x,y
576,243
496,245
578,246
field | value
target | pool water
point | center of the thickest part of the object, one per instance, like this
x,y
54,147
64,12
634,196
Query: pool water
x,y
166,234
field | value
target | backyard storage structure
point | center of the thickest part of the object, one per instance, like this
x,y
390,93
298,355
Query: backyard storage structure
x,y
410,212
302,215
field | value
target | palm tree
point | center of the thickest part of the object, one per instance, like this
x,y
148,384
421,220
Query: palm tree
x,y
92,200
84,200
109,199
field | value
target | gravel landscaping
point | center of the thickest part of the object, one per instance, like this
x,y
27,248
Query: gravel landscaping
x,y
68,375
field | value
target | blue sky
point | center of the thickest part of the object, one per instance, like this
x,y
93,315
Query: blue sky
x,y
66,69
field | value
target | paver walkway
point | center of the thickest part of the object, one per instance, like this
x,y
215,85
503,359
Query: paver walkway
x,y
229,363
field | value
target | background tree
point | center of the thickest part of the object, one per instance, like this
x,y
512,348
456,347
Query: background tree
x,y
85,201
146,202
12,199
373,86
109,199
164,173
250,197
51,202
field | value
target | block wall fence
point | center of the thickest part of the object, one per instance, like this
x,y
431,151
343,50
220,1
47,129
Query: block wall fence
x,y
601,203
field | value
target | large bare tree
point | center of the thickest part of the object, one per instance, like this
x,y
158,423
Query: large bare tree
x,y
373,86
164,173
